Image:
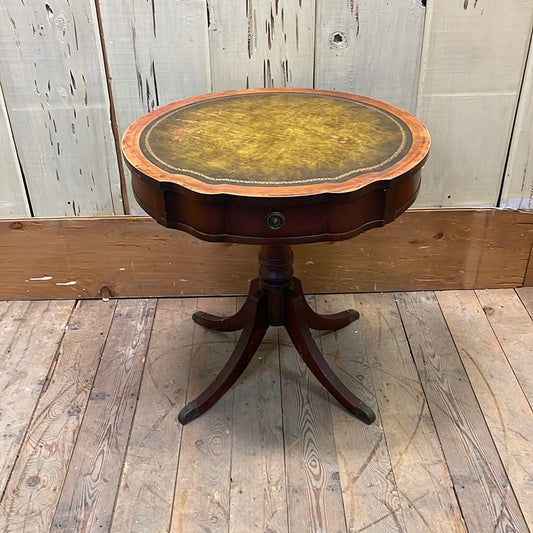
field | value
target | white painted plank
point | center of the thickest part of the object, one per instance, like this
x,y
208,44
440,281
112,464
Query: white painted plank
x,y
370,47
157,53
13,201
261,43
468,148
54,85
471,69
518,185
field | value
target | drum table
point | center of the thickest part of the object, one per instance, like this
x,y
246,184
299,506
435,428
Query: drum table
x,y
276,167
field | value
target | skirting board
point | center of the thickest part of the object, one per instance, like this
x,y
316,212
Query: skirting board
x,y
127,256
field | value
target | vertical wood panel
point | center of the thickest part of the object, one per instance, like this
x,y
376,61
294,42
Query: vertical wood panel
x,y
261,43
471,69
370,47
157,53
53,81
518,185
13,201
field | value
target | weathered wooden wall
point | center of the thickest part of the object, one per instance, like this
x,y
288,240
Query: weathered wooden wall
x,y
74,74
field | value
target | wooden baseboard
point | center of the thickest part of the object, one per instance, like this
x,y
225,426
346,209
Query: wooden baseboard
x,y
127,256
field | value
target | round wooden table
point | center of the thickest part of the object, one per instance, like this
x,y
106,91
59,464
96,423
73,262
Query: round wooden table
x,y
276,167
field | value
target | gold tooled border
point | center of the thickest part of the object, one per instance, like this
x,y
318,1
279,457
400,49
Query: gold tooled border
x,y
338,178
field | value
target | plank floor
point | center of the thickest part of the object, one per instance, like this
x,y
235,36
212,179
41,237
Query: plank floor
x,y
90,441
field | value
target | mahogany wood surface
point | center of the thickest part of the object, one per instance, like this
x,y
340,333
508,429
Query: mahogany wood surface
x,y
276,167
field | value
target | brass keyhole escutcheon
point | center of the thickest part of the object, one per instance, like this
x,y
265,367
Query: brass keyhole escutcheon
x,y
275,220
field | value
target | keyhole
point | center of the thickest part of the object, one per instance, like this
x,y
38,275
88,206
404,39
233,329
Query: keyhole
x,y
275,220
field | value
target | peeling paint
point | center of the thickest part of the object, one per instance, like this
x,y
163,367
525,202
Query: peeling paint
x,y
354,11
249,16
466,2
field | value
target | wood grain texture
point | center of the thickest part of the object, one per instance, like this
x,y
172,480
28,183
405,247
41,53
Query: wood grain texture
x,y
513,328
369,490
258,497
503,403
477,472
370,47
30,335
526,295
472,60
202,493
54,85
427,452
61,59
463,180
373,353
518,182
314,494
88,495
528,278
261,43
157,53
13,201
145,496
35,484
125,256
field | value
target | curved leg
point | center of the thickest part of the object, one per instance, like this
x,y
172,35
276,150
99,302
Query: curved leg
x,y
300,335
251,337
324,322
232,323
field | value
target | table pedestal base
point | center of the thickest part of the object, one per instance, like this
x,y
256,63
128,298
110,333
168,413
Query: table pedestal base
x,y
276,299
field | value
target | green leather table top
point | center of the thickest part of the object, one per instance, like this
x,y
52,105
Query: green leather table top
x,y
275,139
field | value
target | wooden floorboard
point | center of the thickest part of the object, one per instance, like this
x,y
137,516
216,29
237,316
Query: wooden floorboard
x,y
411,489
26,329
88,495
203,484
35,484
91,390
313,483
